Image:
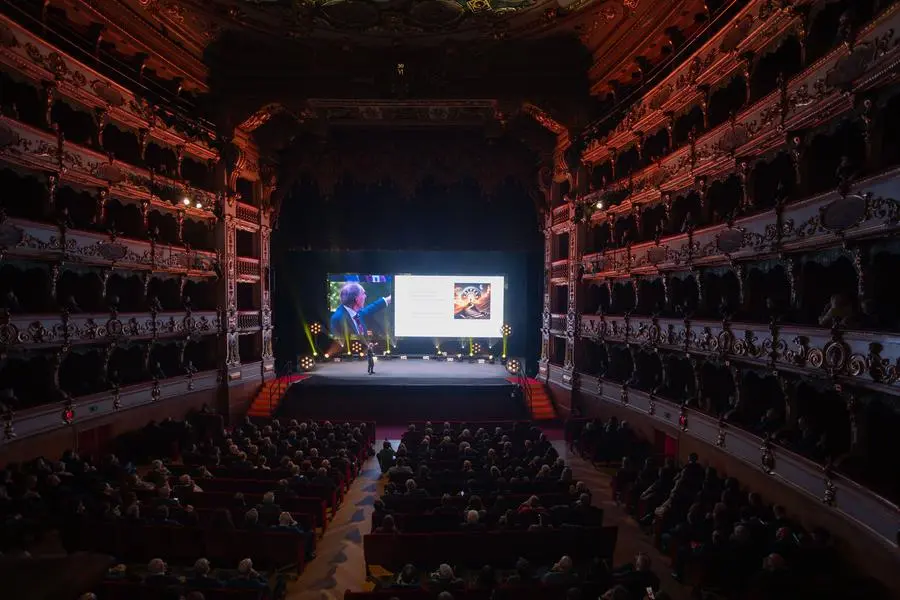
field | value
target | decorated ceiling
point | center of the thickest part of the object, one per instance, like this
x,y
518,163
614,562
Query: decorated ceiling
x,y
410,63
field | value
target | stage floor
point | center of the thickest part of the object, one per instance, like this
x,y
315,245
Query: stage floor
x,y
415,372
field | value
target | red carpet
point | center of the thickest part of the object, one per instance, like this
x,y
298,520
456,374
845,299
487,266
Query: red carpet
x,y
541,405
270,394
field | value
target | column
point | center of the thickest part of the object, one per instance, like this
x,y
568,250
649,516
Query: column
x,y
545,319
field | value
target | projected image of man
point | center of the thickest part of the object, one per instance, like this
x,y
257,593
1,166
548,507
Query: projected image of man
x,y
349,320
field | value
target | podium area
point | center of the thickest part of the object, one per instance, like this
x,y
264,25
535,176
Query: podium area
x,y
403,390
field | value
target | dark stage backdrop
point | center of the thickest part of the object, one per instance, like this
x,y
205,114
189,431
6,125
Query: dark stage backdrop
x,y
299,286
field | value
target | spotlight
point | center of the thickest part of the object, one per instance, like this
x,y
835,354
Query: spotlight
x,y
512,366
307,363
315,329
356,347
327,356
199,205
506,330
599,205
186,201
476,347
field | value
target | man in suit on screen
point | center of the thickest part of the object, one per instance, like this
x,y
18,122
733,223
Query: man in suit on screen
x,y
349,320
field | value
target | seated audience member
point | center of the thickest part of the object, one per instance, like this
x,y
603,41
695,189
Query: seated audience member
x,y
444,579
201,577
386,457
584,514
387,525
560,573
446,507
637,578
247,577
472,522
268,511
412,489
287,523
161,517
408,577
157,576
251,520
400,469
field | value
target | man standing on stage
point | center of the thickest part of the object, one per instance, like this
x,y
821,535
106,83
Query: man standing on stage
x,y
370,357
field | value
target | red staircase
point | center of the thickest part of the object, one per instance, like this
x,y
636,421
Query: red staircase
x,y
537,398
270,394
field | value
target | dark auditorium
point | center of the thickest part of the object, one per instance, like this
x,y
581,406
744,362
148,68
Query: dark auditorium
x,y
449,299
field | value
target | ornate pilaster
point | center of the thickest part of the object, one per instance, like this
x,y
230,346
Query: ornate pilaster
x,y
229,272
265,301
545,327
573,311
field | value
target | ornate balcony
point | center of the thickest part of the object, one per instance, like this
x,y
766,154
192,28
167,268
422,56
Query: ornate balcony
x,y
248,320
247,269
751,30
560,217
28,54
559,271
46,418
45,151
247,216
870,208
874,515
39,241
558,324
35,331
861,358
815,96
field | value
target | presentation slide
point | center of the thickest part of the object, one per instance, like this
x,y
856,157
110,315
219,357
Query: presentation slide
x,y
448,306
360,306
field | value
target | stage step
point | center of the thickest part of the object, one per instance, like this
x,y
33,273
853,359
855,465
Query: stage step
x,y
274,389
541,405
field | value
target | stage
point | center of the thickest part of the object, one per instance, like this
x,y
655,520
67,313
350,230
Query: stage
x,y
409,372
404,390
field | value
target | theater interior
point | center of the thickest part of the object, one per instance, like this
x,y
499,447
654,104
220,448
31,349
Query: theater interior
x,y
694,201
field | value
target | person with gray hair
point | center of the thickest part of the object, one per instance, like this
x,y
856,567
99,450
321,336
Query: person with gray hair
x,y
349,320
201,578
247,578
157,576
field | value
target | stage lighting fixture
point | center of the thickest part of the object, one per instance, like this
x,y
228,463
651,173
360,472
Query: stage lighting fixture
x,y
506,330
186,201
459,356
327,356
315,329
199,205
356,347
476,347
599,205
512,366
307,363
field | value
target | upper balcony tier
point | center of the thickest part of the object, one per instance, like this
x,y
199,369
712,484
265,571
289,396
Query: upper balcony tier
x,y
812,97
870,208
755,27
29,147
26,239
26,53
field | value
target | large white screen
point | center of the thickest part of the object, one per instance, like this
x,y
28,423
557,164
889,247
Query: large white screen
x,y
448,306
